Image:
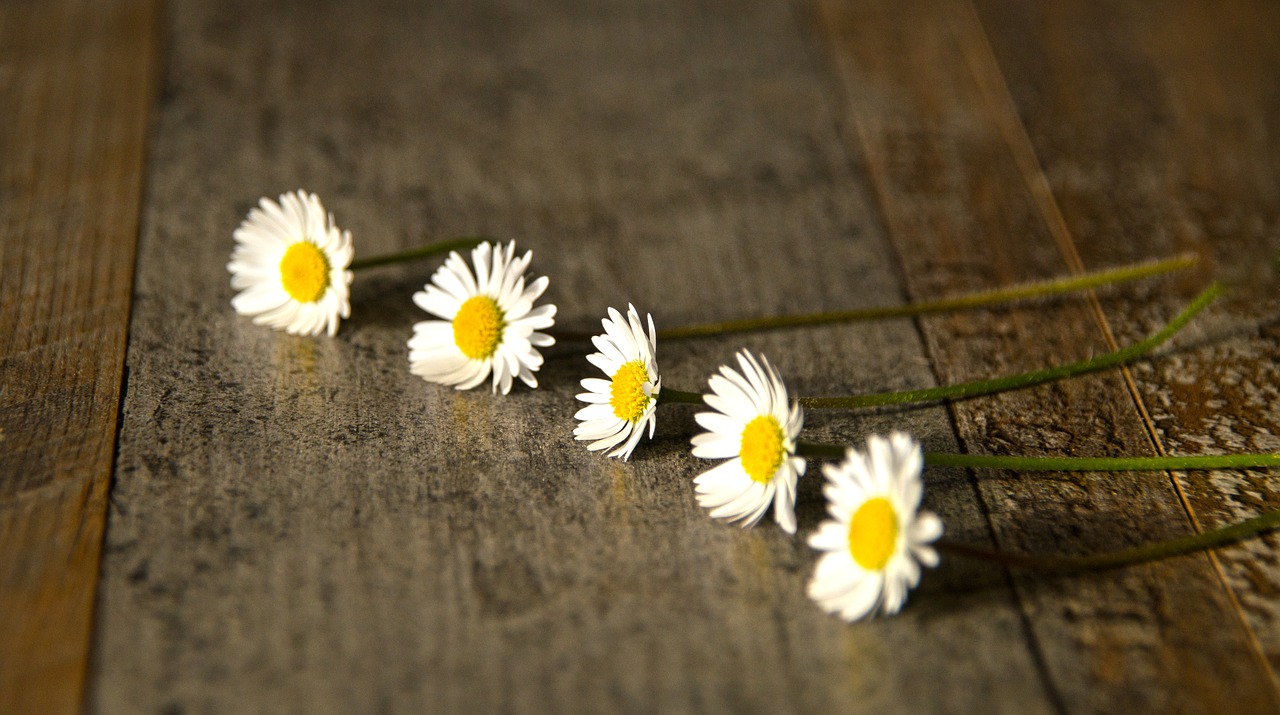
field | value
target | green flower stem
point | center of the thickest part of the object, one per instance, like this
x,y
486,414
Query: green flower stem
x,y
969,300
813,450
1265,522
1070,464
1027,379
1104,464
434,249
1000,384
667,394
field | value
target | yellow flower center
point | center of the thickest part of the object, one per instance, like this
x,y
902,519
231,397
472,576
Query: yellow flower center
x,y
873,533
305,272
626,393
761,451
477,328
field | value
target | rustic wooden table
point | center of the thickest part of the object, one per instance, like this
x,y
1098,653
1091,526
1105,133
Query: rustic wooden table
x,y
202,515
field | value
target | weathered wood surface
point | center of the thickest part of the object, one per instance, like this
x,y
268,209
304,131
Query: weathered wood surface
x,y
301,525
75,90
967,202
1168,137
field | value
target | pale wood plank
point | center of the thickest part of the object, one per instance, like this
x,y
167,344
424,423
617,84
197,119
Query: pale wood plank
x,y
1174,121
75,88
302,525
963,197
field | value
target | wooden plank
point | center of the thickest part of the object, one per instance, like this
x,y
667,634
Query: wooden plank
x,y
965,202
1174,124
75,85
301,524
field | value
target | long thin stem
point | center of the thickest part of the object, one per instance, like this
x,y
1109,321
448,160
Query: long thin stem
x,y
669,395
813,450
1256,460
1026,379
1104,464
434,249
969,300
1267,521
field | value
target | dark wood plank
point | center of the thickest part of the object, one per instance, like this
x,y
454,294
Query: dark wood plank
x,y
301,524
966,203
1173,116
75,87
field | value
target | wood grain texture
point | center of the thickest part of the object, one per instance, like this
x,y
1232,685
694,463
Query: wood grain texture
x,y
1173,116
966,202
75,88
300,524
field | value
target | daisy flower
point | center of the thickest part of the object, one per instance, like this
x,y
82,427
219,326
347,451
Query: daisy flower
x,y
755,428
290,266
620,408
489,321
879,536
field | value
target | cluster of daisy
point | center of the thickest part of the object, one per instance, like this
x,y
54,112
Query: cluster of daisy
x,y
877,536
291,266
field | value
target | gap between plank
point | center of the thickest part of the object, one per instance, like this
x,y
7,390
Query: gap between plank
x,y
995,88
72,164
880,176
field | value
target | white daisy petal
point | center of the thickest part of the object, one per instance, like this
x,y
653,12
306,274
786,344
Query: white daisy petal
x,y
728,396
625,450
290,266
784,508
258,299
596,385
722,483
597,412
926,528
541,317
608,442
593,398
721,424
713,446
623,404
861,600
926,555
608,348
541,340
753,516
528,378
751,501
830,536
752,425
437,302
598,430
834,579
878,538
483,333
